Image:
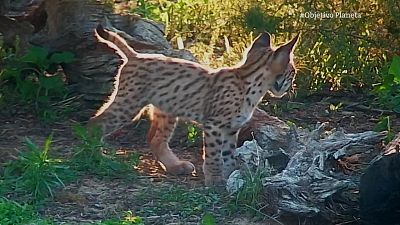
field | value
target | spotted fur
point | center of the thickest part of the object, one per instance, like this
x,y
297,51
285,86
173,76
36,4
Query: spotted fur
x,y
222,100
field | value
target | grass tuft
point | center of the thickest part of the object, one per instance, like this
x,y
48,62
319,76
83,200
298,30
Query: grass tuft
x,y
35,172
90,156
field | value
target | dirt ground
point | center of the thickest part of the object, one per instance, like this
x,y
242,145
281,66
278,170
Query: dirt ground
x,y
93,199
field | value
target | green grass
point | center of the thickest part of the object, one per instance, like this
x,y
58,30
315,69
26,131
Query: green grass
x,y
91,156
384,124
13,213
176,200
34,172
250,195
127,219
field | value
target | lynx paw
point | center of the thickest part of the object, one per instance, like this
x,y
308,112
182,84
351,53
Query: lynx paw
x,y
181,168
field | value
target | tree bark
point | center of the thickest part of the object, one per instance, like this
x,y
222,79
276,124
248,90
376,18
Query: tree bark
x,y
68,25
304,173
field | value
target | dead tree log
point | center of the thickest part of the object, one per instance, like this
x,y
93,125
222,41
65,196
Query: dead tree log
x,y
301,173
4,5
68,25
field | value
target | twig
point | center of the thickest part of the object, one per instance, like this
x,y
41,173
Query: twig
x,y
347,222
149,176
366,108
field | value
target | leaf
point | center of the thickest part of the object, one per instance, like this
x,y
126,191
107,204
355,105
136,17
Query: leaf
x,y
31,146
27,89
383,124
208,219
79,130
36,55
62,57
395,69
52,83
47,143
43,99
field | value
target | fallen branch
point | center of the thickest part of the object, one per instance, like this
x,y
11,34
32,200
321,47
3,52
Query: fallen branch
x,y
306,182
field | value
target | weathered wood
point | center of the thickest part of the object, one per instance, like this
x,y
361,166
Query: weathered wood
x,y
68,25
304,180
4,6
15,32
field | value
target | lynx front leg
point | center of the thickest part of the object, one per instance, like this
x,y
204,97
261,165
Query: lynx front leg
x,y
228,149
219,146
159,135
212,145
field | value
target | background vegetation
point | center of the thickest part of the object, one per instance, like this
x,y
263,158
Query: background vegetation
x,y
334,54
358,55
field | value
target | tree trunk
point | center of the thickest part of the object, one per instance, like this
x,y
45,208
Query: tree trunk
x,y
68,25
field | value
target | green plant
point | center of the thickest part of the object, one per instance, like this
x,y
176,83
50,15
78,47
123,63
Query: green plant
x,y
384,124
333,54
177,200
257,19
12,213
108,3
34,78
208,219
128,219
35,172
335,107
90,155
250,194
146,9
193,133
389,90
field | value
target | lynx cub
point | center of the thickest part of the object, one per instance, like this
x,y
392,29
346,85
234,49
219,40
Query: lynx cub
x,y
221,100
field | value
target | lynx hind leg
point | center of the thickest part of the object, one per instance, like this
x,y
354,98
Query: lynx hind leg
x,y
159,135
119,113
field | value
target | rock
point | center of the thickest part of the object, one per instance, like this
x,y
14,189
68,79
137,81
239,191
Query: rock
x,y
234,182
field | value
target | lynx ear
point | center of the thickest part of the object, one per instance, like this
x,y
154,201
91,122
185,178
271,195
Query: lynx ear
x,y
262,41
282,54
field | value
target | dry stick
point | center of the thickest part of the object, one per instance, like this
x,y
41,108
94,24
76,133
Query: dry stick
x,y
350,221
363,107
